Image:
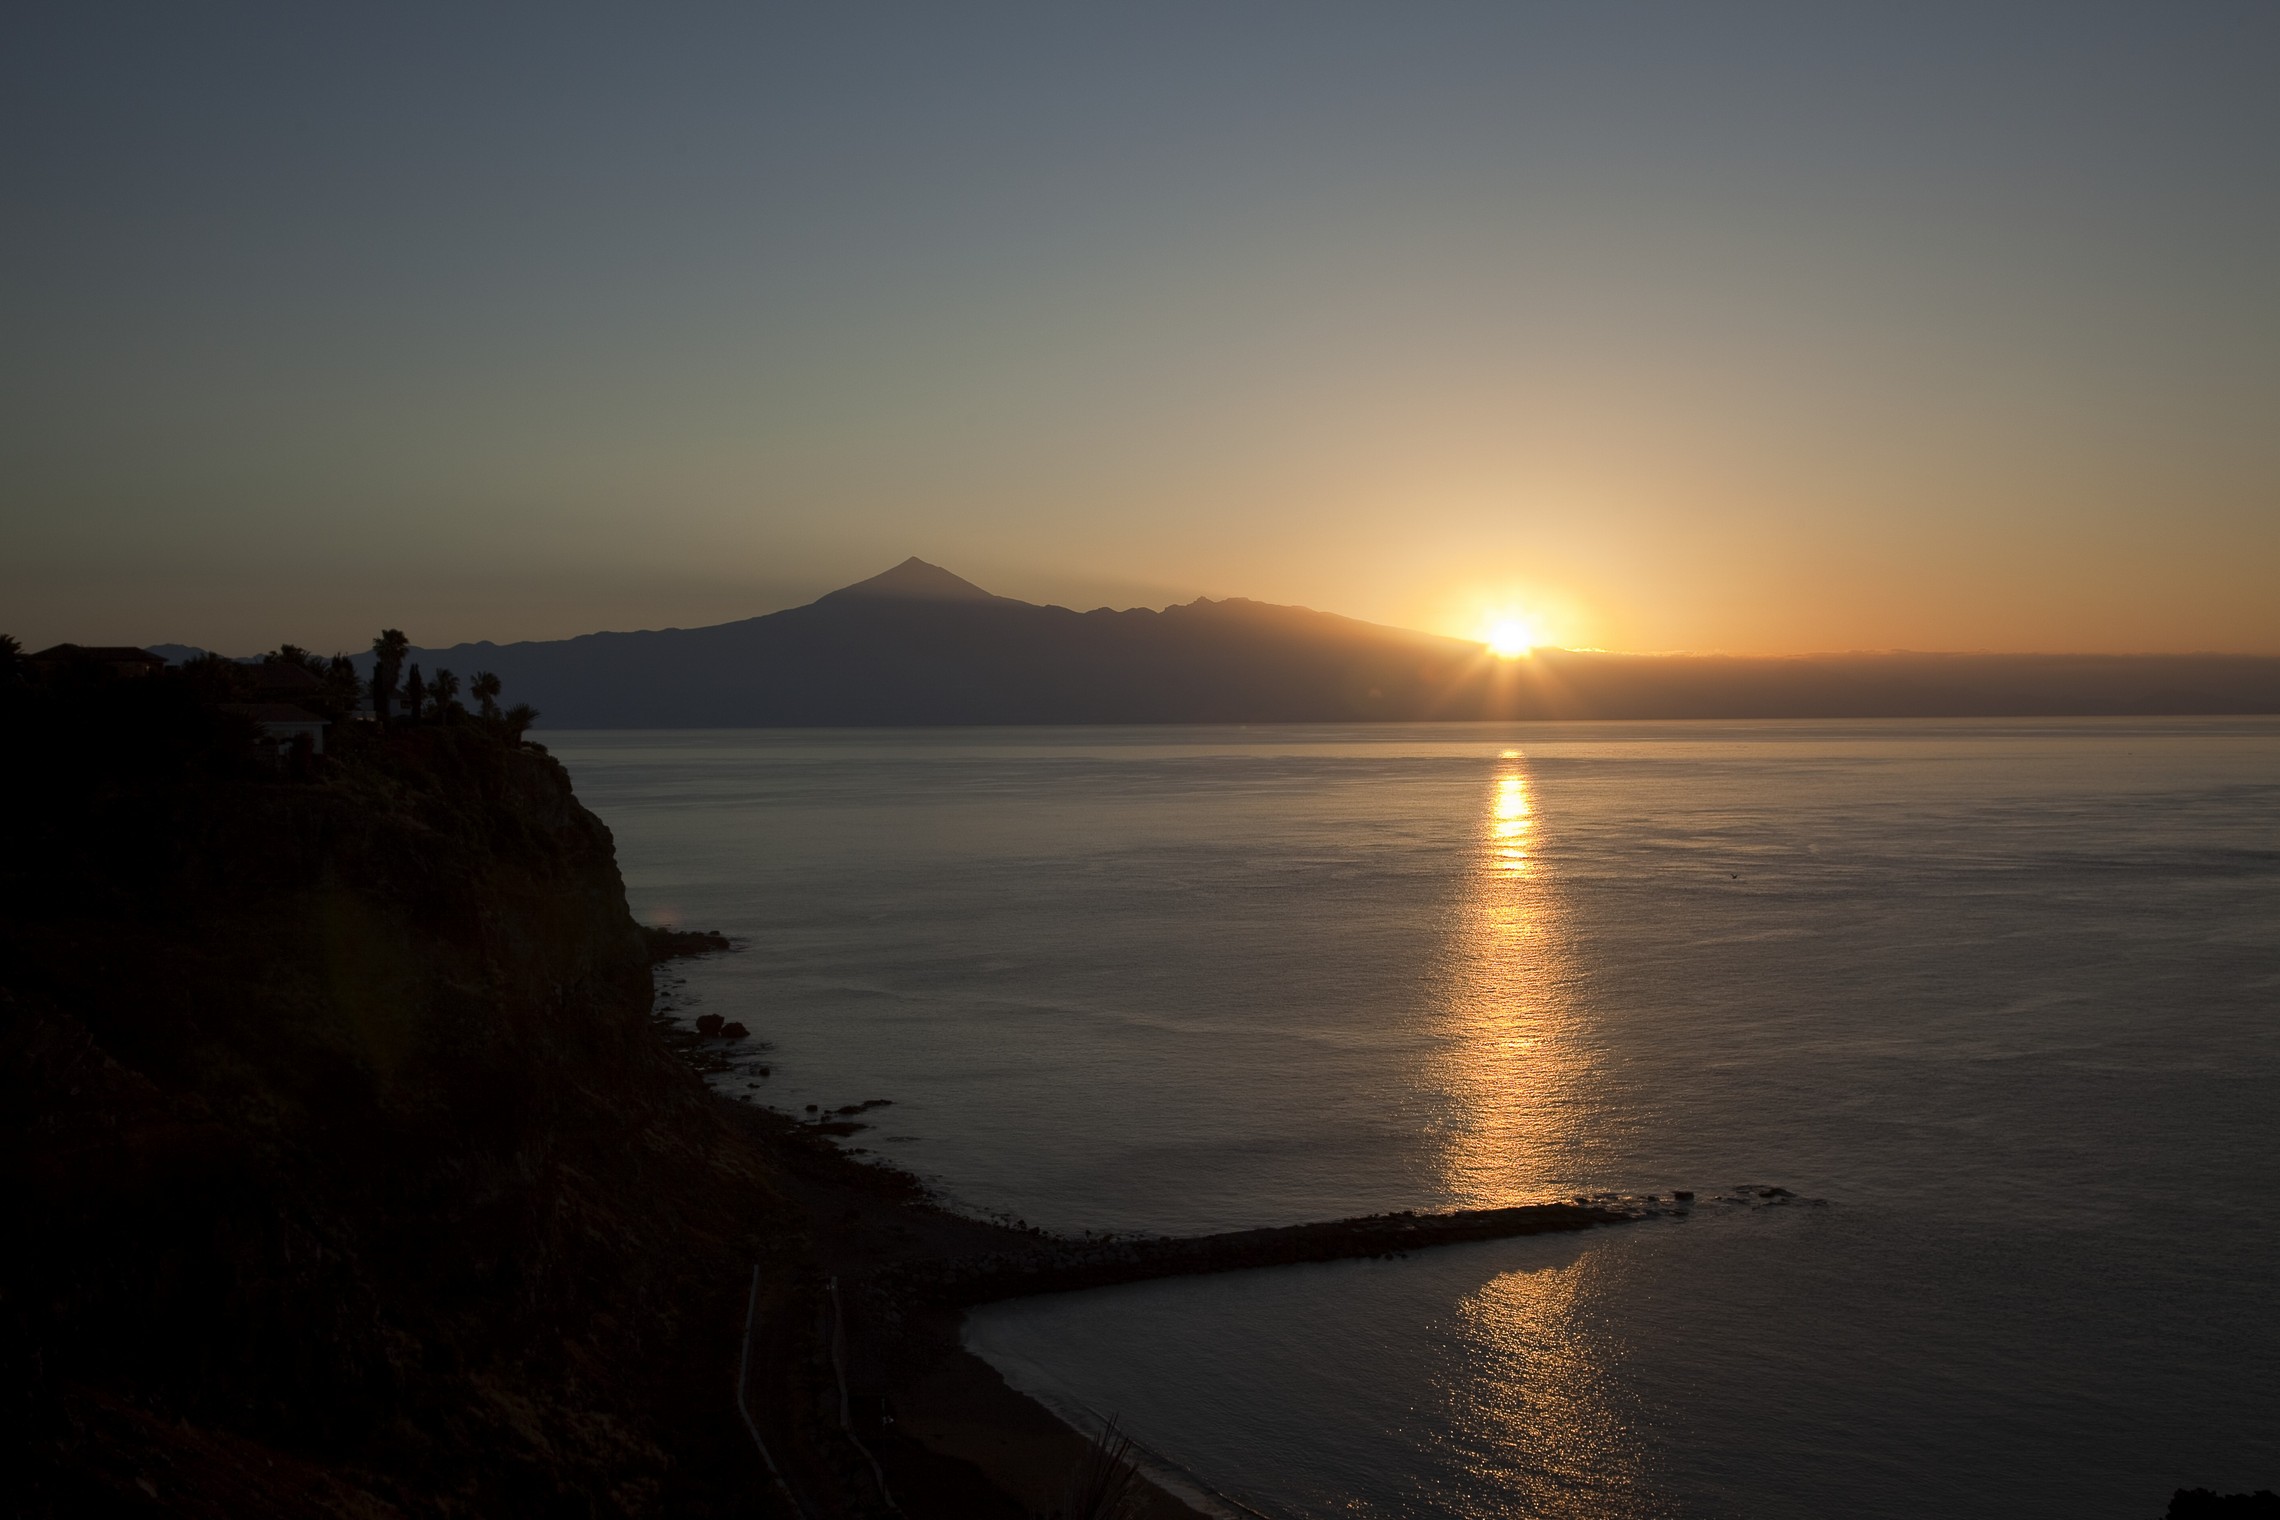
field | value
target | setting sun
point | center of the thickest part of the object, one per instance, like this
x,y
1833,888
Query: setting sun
x,y
1508,638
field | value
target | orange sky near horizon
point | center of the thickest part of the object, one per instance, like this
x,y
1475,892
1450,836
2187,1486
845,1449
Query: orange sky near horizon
x,y
1761,330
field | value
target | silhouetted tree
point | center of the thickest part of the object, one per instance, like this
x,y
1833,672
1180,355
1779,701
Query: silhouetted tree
x,y
388,651
294,654
12,663
215,678
485,690
415,695
518,719
444,689
340,682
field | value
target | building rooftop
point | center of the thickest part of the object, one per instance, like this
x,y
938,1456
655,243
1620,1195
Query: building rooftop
x,y
104,654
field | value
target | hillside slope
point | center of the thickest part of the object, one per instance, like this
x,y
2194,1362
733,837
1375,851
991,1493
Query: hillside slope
x,y
347,1175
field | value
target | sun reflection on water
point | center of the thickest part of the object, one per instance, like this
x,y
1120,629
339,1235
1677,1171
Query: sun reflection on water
x,y
1536,1409
1509,1065
1511,827
1540,1424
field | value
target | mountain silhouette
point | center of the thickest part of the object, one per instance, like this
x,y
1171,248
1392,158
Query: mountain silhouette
x,y
918,646
914,580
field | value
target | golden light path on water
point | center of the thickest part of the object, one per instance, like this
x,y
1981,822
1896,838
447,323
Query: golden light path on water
x,y
1512,1070
1533,1417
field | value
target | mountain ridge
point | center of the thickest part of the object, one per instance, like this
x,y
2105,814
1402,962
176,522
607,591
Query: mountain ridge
x,y
919,646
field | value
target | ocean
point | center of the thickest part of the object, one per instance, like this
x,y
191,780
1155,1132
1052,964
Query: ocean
x,y
1997,1002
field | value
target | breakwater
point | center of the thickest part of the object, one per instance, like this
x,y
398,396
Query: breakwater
x,y
1059,1265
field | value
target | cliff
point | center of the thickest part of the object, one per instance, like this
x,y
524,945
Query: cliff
x,y
348,1175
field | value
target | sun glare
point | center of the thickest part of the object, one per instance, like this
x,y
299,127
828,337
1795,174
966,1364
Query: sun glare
x,y
1508,638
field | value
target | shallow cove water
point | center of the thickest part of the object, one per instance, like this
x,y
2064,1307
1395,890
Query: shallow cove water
x,y
2002,1000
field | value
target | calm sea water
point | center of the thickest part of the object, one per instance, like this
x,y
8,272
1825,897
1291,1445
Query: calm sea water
x,y
2003,998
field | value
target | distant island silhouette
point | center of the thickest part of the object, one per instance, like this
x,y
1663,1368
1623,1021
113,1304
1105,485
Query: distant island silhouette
x,y
919,645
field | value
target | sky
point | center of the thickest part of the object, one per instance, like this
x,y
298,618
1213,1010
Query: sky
x,y
1744,327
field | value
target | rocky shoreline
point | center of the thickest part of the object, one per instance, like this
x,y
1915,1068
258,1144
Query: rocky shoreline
x,y
903,1270
1054,1264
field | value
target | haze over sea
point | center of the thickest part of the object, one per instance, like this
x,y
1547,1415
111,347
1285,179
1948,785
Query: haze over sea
x,y
1999,1001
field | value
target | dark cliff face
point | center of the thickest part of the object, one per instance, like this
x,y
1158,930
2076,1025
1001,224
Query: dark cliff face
x,y
347,1172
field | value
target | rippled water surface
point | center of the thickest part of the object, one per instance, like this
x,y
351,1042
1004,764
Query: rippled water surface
x,y
2005,998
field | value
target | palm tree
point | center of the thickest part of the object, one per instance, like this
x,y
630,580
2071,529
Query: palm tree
x,y
340,682
518,718
1105,1483
444,689
485,690
11,659
388,653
